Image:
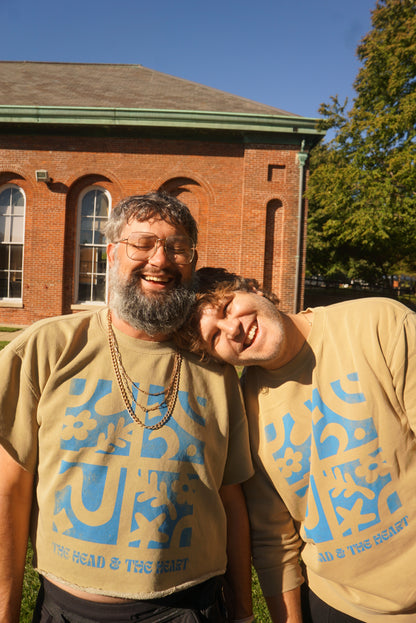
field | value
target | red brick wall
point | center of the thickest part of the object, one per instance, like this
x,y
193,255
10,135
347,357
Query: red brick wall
x,y
228,187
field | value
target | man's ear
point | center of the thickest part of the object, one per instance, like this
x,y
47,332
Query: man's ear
x,y
253,289
111,253
195,259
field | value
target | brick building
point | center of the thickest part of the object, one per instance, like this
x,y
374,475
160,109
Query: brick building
x,y
76,138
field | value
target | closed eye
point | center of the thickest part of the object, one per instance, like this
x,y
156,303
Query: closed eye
x,y
214,339
143,245
226,308
223,311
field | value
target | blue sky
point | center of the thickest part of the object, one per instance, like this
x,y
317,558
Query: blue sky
x,y
291,54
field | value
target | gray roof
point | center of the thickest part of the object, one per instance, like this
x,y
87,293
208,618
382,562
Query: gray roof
x,y
114,86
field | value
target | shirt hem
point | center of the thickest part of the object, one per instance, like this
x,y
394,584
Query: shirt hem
x,y
91,590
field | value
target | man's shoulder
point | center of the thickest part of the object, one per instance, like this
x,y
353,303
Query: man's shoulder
x,y
58,329
211,368
380,317
210,364
377,305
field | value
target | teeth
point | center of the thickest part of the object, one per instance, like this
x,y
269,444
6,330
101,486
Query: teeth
x,y
251,333
156,279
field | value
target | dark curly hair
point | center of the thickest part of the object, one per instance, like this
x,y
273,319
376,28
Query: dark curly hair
x,y
212,286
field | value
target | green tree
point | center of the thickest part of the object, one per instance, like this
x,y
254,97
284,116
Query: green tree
x,y
362,191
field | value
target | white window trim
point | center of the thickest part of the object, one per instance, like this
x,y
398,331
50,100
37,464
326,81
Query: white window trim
x,y
84,305
16,301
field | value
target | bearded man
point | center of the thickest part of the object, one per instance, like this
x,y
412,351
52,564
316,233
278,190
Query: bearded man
x,y
121,456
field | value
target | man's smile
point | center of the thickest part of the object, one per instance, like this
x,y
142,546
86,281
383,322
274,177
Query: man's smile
x,y
251,334
157,278
157,281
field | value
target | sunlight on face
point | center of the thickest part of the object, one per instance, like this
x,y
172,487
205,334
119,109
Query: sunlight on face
x,y
244,328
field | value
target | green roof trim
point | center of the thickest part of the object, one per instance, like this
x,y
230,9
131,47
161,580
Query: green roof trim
x,y
95,116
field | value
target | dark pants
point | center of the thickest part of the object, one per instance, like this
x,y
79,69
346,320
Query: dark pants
x,y
203,603
314,610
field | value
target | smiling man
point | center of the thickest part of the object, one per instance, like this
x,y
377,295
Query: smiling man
x,y
152,264
330,399
134,451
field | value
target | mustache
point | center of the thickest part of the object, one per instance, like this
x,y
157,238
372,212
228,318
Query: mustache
x,y
153,313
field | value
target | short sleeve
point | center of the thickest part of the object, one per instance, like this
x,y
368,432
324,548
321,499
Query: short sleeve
x,y
238,466
18,408
403,368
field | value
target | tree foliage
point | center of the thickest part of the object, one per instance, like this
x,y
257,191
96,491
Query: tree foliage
x,y
362,189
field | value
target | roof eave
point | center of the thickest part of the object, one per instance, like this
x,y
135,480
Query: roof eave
x,y
95,116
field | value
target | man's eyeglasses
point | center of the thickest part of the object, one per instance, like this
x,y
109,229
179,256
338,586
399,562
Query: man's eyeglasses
x,y
142,246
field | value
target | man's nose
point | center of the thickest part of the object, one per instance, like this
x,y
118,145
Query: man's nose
x,y
159,257
231,327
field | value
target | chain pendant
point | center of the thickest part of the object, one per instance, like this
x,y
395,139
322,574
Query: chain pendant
x,y
124,381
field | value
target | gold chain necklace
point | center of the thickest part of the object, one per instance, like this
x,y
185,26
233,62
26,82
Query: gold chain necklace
x,y
170,394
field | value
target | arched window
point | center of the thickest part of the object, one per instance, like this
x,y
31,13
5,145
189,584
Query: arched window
x,y
12,229
93,210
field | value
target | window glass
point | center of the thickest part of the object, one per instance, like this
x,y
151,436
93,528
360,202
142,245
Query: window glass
x,y
99,235
17,226
16,256
102,206
18,200
86,231
88,203
3,285
15,291
4,254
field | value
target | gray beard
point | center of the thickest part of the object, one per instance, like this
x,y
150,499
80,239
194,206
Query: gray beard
x,y
154,314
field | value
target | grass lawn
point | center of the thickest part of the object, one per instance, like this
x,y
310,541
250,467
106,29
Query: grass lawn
x,y
30,590
9,329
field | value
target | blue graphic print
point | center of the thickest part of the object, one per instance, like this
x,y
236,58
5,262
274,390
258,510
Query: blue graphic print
x,y
354,486
160,512
190,449
90,508
92,498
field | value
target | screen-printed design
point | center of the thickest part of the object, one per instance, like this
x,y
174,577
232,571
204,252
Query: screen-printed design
x,y
158,498
337,465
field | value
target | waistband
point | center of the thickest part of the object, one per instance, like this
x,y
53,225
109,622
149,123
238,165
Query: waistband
x,y
198,597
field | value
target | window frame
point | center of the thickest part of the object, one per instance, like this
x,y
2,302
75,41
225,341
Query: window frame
x,y
14,300
93,246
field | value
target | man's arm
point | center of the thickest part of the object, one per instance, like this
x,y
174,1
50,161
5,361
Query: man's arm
x,y
16,487
275,547
238,550
285,608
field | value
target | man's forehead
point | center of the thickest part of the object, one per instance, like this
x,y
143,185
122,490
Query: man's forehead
x,y
210,309
146,225
212,305
133,220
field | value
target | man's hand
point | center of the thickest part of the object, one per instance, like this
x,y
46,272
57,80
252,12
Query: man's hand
x,y
285,608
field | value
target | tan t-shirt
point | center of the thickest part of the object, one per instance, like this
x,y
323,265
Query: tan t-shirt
x,y
333,436
122,510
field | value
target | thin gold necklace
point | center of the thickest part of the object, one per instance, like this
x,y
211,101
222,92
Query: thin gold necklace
x,y
124,381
